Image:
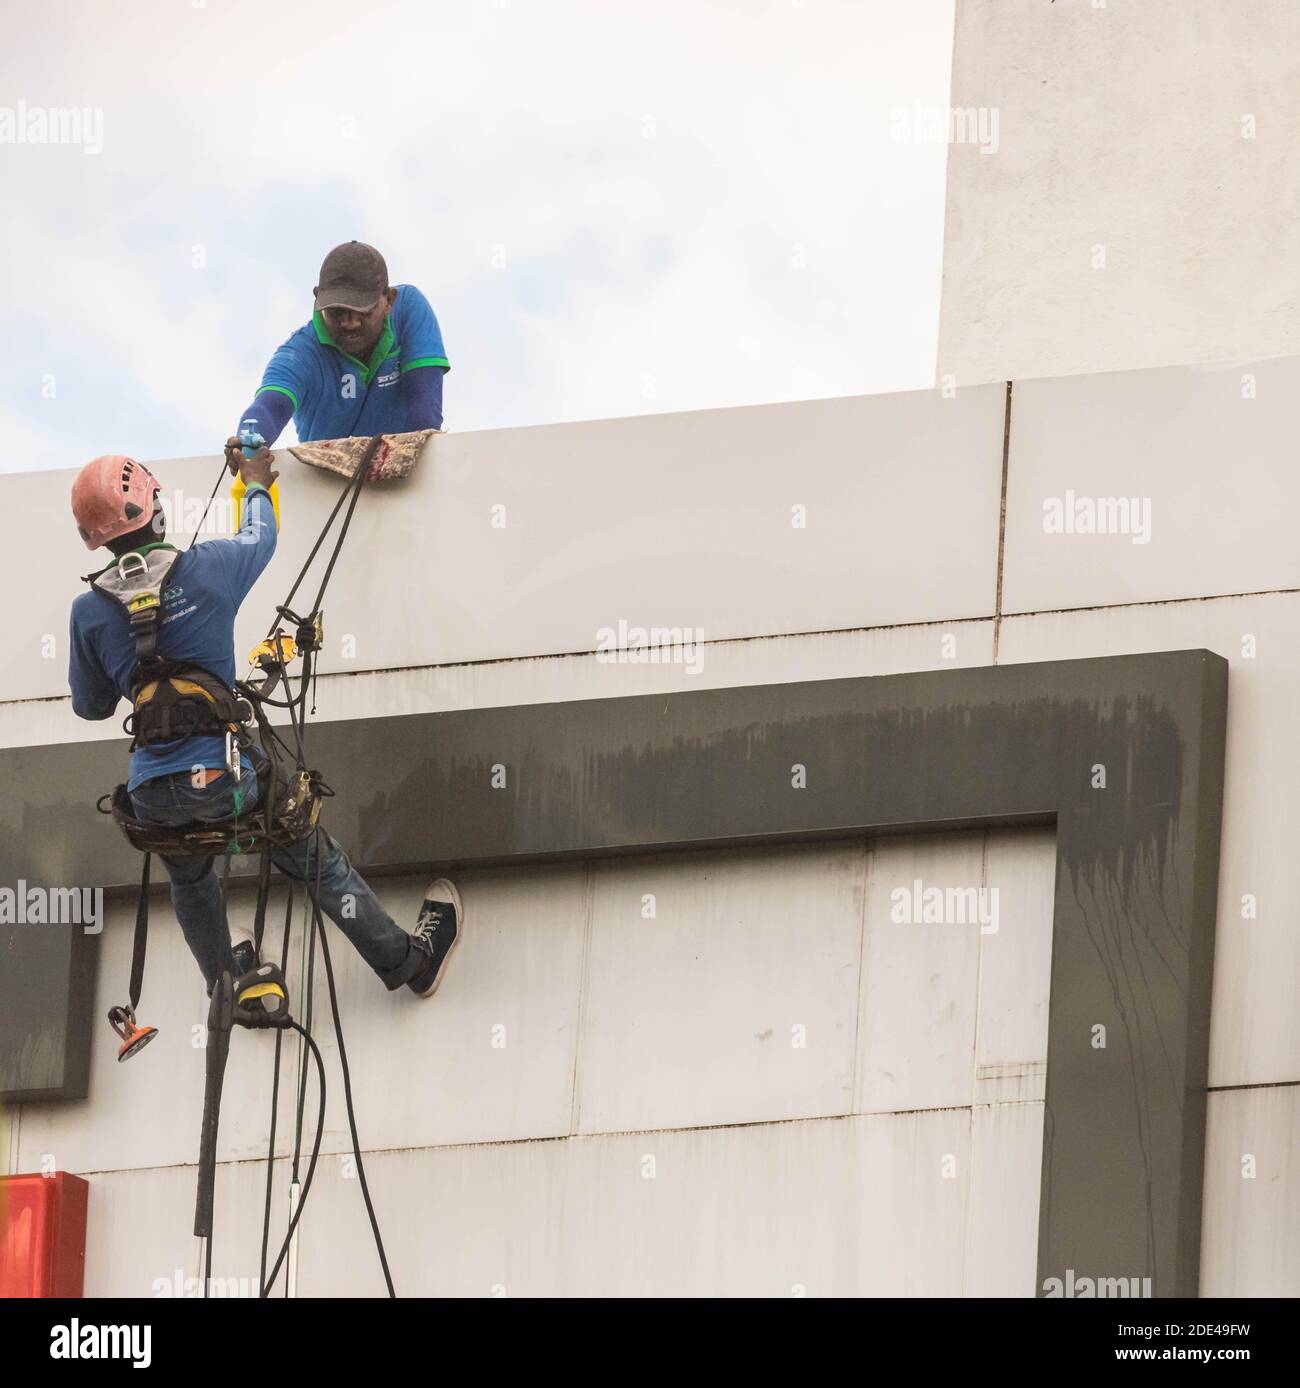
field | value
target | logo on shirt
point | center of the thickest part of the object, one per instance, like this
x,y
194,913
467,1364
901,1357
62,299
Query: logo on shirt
x,y
387,380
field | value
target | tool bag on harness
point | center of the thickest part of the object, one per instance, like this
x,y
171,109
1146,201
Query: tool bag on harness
x,y
296,810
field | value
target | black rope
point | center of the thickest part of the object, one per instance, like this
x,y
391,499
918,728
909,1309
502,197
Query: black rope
x,y
295,706
297,718
352,1120
263,900
316,925
320,540
275,1100
208,507
317,929
310,1002
354,487
207,1264
311,1166
349,494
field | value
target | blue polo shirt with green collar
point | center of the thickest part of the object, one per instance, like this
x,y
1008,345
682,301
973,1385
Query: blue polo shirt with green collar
x,y
337,396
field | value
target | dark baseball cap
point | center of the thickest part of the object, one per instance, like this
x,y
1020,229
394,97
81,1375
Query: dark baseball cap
x,y
353,276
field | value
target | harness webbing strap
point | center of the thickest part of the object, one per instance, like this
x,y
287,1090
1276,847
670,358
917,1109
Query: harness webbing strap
x,y
170,699
176,699
141,935
136,582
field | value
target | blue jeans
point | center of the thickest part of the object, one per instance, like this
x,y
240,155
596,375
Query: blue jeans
x,y
199,901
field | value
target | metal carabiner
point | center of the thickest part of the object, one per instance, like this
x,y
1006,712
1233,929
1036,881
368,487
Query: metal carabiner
x,y
139,559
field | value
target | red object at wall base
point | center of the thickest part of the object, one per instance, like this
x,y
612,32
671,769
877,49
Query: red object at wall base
x,y
42,1235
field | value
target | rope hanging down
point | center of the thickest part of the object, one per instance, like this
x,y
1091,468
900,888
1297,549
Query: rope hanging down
x,y
274,654
307,639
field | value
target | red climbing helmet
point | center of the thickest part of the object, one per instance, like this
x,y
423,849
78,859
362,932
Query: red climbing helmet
x,y
112,497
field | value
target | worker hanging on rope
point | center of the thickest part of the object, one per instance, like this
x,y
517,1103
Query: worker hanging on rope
x,y
157,628
371,361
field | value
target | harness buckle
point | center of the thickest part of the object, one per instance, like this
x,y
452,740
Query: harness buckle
x,y
125,570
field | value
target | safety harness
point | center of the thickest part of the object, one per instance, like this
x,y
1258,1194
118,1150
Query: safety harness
x,y
172,700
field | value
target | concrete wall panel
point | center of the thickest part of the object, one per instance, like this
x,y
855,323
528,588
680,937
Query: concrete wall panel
x,y
1252,1194
1123,127
733,1211
139,1230
1198,466
1002,1226
491,1056
955,1013
1015,966
736,1002
665,521
920,982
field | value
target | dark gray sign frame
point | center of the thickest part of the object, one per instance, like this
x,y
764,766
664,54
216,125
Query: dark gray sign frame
x,y
1136,880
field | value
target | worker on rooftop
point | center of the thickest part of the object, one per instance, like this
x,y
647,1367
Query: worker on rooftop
x,y
371,361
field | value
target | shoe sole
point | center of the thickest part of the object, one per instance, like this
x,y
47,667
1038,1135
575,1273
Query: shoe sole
x,y
448,892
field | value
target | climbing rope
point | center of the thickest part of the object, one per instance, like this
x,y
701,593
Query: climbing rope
x,y
307,639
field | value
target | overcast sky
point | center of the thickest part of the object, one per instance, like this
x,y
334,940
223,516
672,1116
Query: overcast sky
x,y
614,208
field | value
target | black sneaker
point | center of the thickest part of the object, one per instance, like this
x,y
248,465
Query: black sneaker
x,y
245,958
441,924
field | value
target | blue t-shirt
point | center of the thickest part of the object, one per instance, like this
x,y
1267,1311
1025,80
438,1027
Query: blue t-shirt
x,y
336,396
199,604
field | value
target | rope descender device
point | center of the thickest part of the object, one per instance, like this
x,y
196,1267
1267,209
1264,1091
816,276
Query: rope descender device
x,y
275,650
310,633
